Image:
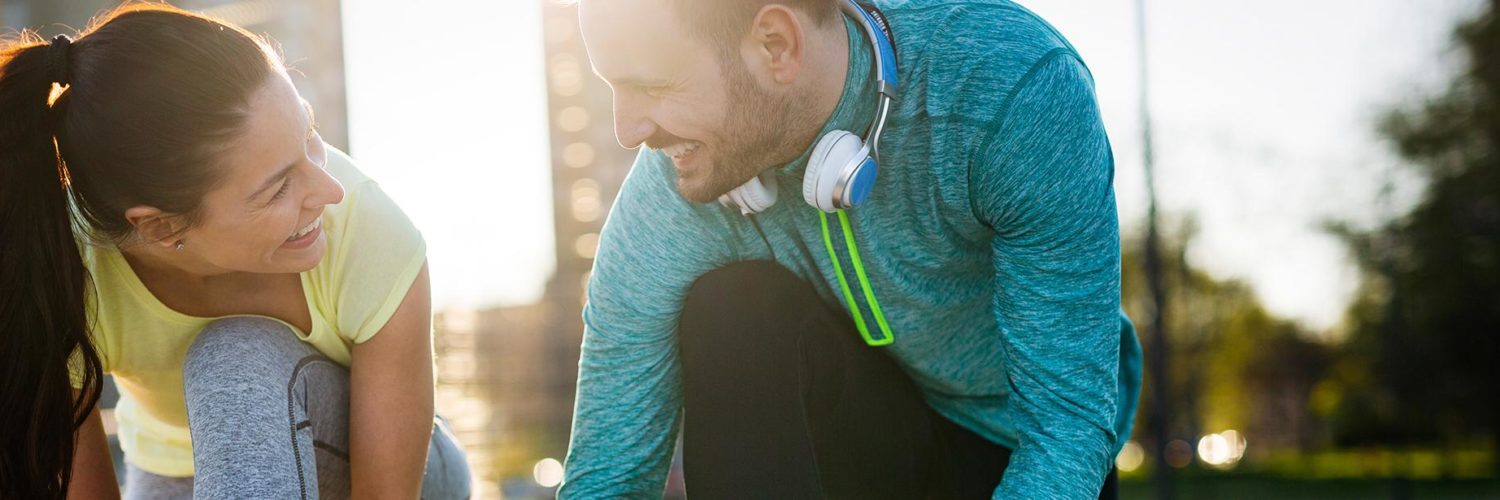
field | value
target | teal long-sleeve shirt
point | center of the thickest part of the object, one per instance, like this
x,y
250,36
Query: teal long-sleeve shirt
x,y
990,239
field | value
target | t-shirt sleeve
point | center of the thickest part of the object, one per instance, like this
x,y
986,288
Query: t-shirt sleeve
x,y
376,254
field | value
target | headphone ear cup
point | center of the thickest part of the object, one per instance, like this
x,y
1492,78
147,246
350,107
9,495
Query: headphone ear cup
x,y
759,193
754,196
829,158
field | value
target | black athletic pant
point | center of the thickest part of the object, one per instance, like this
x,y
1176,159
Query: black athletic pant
x,y
783,399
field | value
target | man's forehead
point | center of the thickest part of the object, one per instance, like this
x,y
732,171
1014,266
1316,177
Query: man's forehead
x,y
632,39
624,10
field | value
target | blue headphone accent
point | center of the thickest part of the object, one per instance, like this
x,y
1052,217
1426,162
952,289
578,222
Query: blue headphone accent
x,y
880,32
842,169
864,182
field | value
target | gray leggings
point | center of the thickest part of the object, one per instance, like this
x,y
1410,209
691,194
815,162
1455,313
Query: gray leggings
x,y
269,417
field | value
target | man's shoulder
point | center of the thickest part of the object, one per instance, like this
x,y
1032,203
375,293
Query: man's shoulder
x,y
944,25
962,47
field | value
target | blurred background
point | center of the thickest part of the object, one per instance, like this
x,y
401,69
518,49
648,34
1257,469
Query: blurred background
x,y
1313,261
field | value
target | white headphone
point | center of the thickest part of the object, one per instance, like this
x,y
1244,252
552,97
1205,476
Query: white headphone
x,y
841,171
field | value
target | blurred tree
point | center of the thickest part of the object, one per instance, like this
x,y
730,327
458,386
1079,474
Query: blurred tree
x,y
1422,360
1233,364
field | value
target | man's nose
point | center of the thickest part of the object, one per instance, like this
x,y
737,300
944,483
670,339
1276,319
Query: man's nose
x,y
632,127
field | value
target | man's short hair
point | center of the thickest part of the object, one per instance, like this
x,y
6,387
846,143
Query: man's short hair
x,y
723,22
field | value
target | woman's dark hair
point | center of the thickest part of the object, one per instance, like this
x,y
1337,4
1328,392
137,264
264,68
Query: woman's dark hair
x,y
151,96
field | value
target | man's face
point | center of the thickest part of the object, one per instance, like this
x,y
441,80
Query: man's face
x,y
697,103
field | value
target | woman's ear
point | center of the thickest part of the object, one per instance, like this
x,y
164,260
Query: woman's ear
x,y
155,226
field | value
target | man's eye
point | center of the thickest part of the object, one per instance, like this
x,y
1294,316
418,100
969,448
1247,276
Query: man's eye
x,y
654,90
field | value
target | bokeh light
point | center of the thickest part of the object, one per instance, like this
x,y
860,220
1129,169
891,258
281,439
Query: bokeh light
x,y
1179,453
1221,450
1131,456
547,472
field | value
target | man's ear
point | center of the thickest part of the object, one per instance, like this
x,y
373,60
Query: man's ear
x,y
775,46
155,226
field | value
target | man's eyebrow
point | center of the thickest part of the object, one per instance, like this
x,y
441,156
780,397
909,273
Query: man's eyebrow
x,y
631,80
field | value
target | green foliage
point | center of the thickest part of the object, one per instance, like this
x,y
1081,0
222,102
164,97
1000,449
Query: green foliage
x,y
1420,363
1232,364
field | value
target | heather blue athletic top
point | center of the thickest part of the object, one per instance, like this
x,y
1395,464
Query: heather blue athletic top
x,y
991,241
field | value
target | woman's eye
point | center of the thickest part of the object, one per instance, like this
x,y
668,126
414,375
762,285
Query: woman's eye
x,y
285,186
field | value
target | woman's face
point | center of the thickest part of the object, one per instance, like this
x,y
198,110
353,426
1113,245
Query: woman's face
x,y
265,214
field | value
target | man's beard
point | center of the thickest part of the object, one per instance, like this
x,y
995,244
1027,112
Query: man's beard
x,y
764,128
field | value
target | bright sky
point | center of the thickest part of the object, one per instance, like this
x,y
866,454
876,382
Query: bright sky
x,y
448,111
1263,114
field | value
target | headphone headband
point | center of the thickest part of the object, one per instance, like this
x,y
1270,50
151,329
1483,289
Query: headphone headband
x,y
886,84
880,37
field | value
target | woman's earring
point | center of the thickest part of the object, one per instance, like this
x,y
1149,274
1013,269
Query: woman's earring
x,y
180,244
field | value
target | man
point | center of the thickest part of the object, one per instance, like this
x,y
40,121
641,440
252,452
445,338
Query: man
x,y
958,334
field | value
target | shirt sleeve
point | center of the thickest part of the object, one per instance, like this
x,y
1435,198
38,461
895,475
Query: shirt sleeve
x,y
652,248
377,254
1044,185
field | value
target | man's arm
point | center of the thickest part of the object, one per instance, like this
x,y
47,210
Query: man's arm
x,y
653,246
1044,184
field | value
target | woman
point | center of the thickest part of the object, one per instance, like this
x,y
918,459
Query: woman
x,y
169,214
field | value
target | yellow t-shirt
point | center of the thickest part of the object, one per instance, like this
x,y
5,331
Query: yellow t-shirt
x,y
374,253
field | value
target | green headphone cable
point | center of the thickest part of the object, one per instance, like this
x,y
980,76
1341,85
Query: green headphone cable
x,y
886,337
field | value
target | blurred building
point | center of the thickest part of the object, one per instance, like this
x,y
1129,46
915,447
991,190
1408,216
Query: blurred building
x,y
462,395
310,36
50,17
530,352
309,33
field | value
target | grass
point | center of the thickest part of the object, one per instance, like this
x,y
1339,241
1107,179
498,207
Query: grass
x,y
1259,486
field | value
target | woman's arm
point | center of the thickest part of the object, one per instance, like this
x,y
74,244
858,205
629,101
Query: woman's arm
x,y
93,470
390,404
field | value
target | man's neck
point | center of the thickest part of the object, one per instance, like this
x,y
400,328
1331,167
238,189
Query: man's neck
x,y
830,67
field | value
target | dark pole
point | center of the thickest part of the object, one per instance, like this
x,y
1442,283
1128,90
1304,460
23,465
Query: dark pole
x,y
1157,357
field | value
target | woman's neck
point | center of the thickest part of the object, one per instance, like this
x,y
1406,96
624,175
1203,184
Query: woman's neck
x,y
189,286
181,269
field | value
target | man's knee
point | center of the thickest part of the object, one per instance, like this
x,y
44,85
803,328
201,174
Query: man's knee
x,y
746,289
741,312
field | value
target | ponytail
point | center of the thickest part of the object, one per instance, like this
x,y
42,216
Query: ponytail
x,y
44,336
